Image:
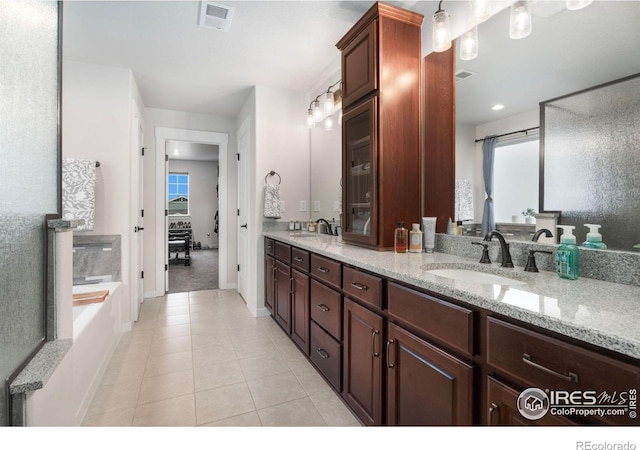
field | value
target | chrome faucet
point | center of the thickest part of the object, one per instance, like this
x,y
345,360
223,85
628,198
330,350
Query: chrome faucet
x,y
327,229
541,231
504,248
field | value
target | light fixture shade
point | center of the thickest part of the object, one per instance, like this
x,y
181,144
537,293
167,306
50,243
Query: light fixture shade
x,y
328,123
469,45
310,120
480,10
441,36
327,103
317,111
578,4
520,22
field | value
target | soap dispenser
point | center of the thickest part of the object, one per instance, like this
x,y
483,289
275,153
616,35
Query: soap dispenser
x,y
400,239
568,255
594,238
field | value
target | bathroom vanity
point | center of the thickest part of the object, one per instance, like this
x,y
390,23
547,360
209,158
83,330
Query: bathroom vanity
x,y
439,339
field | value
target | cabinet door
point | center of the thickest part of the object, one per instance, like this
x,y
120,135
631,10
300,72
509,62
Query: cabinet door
x,y
425,386
362,362
359,171
359,65
300,310
282,307
502,408
269,282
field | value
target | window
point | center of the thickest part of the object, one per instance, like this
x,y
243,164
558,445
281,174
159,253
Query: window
x,y
178,189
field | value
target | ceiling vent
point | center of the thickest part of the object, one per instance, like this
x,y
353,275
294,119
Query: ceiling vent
x,y
216,16
463,75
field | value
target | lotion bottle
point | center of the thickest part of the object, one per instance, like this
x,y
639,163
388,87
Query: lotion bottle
x,y
415,239
568,255
400,239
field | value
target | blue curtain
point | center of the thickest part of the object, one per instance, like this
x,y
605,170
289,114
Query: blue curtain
x,y
488,154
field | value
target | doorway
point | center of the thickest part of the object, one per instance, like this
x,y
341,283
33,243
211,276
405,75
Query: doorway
x,y
163,137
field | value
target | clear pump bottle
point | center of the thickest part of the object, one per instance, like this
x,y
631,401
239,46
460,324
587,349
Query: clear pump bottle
x,y
401,239
568,255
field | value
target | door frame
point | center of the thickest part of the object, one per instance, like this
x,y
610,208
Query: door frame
x,y
137,205
163,135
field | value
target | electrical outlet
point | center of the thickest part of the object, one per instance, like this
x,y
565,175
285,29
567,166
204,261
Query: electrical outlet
x,y
303,206
316,205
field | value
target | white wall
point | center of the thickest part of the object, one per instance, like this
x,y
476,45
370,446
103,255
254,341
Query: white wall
x,y
96,124
203,201
189,121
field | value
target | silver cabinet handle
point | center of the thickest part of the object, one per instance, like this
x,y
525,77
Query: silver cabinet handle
x,y
492,409
322,353
526,358
390,365
298,259
374,333
322,269
323,307
362,287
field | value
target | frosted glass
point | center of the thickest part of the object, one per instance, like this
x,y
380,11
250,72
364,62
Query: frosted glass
x,y
592,161
28,170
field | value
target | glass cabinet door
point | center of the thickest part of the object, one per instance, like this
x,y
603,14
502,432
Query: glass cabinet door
x,y
359,171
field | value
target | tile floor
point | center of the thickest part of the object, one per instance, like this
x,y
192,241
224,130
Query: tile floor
x,y
201,358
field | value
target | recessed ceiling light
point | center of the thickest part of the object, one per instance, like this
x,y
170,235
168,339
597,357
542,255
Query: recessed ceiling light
x,y
497,107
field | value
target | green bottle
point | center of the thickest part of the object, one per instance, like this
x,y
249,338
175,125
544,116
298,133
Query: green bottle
x,y
568,255
594,238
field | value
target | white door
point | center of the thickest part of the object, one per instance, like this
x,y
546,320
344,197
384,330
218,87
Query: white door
x,y
165,231
137,241
243,207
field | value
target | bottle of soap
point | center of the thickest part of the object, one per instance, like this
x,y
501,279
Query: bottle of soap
x,y
594,238
568,255
415,239
400,239
450,229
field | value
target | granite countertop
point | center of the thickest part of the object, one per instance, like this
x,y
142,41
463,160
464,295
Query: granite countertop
x,y
597,312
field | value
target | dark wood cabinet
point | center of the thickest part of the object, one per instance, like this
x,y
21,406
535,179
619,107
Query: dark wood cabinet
x,y
269,282
362,363
381,125
300,310
282,304
425,385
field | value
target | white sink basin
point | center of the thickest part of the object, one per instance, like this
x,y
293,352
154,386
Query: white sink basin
x,y
471,276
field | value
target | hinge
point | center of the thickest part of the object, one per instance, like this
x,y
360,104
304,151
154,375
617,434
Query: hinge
x,y
166,212
142,213
238,212
238,156
143,150
142,274
166,157
166,267
238,267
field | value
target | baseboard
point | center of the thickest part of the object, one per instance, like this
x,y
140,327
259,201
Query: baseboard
x,y
152,294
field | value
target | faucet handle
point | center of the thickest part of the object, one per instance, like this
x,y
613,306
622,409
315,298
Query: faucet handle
x,y
485,252
531,260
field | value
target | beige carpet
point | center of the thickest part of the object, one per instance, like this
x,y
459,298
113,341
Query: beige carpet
x,y
200,275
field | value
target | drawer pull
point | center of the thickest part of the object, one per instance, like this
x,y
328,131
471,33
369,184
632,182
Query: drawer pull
x,y
390,365
374,333
359,286
323,269
492,409
322,353
323,307
526,358
298,259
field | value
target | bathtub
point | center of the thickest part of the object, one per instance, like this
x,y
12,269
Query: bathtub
x,y
97,328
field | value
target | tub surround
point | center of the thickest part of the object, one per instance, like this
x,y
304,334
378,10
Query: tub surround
x,y
96,258
600,313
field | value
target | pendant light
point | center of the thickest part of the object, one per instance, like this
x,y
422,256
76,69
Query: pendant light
x,y
311,122
578,4
520,22
441,33
317,111
327,103
480,10
469,45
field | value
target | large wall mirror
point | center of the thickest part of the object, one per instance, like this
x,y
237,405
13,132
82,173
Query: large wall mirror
x,y
567,51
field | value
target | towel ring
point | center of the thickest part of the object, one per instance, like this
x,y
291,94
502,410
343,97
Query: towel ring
x,y
272,173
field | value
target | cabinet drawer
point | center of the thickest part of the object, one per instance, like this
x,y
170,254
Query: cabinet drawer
x,y
326,355
269,247
300,259
326,270
446,322
362,286
548,363
326,308
283,252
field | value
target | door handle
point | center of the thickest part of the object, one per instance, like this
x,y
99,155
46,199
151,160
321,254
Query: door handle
x,y
136,229
243,226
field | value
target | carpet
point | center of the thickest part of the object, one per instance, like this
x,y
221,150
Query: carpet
x,y
200,275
